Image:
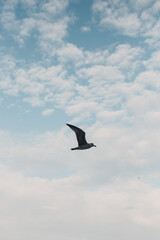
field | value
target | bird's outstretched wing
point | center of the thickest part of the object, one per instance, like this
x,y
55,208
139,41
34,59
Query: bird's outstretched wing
x,y
80,134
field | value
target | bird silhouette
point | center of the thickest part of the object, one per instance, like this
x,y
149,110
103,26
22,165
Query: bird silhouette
x,y
80,134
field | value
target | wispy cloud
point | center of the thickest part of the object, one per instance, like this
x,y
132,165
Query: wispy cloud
x,y
85,29
49,19
47,112
138,19
88,209
118,15
109,87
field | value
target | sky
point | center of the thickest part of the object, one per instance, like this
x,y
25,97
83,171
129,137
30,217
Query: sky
x,y
93,64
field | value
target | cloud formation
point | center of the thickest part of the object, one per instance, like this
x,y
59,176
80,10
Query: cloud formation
x,y
131,18
50,76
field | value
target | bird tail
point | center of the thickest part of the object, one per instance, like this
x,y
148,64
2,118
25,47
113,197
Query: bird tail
x,y
74,148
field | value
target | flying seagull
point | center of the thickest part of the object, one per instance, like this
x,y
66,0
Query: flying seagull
x,y
80,134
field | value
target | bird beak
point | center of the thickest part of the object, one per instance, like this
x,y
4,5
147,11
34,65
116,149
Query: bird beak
x,y
94,145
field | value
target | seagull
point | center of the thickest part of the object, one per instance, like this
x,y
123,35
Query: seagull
x,y
80,134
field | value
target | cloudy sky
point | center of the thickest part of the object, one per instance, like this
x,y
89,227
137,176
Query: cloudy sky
x,y
95,64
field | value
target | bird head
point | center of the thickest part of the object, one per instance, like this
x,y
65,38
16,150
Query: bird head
x,y
92,145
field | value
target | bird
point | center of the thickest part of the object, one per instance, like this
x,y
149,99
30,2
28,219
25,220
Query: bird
x,y
80,134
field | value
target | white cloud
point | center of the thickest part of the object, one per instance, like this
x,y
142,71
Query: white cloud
x,y
153,118
140,104
87,190
47,112
61,208
129,17
98,70
124,55
112,116
37,84
53,31
26,27
103,74
85,29
139,4
153,62
49,19
70,52
34,101
55,7
82,107
52,192
117,14
149,79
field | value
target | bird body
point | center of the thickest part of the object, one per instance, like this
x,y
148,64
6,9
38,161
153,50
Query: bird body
x,y
80,134
83,147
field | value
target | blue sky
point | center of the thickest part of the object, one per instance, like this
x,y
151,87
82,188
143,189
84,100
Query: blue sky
x,y
94,64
